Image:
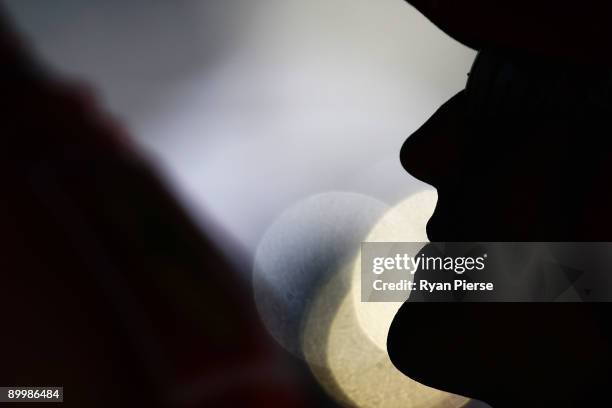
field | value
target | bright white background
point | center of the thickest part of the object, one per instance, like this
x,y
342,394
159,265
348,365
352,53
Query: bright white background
x,y
249,106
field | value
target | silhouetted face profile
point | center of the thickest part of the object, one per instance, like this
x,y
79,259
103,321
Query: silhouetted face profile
x,y
522,154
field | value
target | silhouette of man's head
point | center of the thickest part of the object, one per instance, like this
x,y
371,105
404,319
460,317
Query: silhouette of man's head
x,y
522,154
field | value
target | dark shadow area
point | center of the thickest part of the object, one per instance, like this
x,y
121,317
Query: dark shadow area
x,y
109,289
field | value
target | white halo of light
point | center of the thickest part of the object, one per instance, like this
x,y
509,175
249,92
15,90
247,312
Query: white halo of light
x,y
302,249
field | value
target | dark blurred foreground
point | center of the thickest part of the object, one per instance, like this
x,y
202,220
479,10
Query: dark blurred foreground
x,y
109,290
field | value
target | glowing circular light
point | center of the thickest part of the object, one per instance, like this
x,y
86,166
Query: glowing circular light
x,y
405,222
344,339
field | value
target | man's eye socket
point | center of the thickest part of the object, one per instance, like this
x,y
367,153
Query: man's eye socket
x,y
524,87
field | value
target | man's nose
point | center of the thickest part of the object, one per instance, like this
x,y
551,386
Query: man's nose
x,y
432,153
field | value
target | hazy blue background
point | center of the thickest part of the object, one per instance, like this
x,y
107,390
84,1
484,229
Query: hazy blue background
x,y
249,106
